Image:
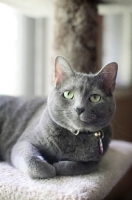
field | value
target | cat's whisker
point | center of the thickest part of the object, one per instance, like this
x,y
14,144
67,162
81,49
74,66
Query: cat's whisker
x,y
119,129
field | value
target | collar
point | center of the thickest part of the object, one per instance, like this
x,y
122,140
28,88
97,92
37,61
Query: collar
x,y
98,134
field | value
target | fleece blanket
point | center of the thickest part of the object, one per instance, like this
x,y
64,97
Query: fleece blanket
x,y
15,185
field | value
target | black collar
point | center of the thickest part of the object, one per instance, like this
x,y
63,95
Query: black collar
x,y
98,134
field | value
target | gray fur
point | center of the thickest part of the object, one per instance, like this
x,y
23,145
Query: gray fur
x,y
37,135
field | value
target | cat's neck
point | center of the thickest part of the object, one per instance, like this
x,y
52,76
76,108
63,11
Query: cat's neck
x,y
56,125
47,122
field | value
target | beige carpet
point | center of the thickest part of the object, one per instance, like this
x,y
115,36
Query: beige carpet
x,y
95,186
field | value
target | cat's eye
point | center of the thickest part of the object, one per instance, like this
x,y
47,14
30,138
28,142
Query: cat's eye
x,y
68,94
95,98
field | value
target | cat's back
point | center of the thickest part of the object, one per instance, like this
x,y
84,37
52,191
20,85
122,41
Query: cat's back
x,y
7,106
15,114
18,108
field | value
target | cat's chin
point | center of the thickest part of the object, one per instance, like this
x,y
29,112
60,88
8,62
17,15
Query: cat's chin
x,y
84,128
87,120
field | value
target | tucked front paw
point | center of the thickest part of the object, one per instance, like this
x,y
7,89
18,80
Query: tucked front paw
x,y
39,168
65,168
69,168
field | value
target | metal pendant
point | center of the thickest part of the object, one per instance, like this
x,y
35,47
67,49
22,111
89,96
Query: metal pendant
x,y
76,132
100,136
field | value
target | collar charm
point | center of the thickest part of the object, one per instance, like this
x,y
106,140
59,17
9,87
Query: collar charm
x,y
76,132
100,136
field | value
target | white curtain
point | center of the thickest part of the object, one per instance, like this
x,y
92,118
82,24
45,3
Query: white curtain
x,y
25,53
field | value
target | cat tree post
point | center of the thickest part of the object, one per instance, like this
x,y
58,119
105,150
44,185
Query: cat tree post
x,y
75,33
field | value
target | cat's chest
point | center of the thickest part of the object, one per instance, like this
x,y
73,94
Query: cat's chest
x,y
83,147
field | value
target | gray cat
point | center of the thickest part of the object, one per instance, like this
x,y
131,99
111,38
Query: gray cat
x,y
68,133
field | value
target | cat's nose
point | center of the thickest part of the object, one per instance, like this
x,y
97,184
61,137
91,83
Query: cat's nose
x,y
79,110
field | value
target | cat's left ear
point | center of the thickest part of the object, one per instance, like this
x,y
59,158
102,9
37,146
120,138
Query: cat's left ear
x,y
108,76
62,70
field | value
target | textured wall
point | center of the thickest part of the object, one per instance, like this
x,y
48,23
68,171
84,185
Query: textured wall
x,y
75,33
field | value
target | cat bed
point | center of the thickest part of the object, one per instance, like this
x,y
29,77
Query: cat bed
x,y
15,185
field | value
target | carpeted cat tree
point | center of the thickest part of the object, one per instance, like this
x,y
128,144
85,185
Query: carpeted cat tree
x,y
15,185
75,37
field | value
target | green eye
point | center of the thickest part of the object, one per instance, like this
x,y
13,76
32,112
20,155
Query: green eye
x,y
68,94
95,98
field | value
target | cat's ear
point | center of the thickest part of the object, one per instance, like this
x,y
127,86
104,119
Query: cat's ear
x,y
108,76
62,70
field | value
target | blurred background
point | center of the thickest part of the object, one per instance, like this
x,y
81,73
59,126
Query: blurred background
x,y
90,34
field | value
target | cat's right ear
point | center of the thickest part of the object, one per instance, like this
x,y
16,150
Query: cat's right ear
x,y
108,75
63,70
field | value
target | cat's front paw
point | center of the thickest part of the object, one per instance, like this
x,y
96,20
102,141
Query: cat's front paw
x,y
65,168
39,168
27,158
69,168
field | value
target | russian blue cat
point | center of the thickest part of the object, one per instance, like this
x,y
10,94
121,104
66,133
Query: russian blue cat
x,y
66,134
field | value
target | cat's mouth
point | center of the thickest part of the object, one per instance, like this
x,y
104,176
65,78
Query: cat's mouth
x,y
87,119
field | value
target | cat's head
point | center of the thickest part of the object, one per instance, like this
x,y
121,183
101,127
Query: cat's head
x,y
82,101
